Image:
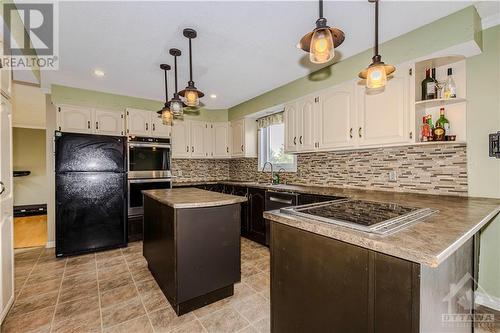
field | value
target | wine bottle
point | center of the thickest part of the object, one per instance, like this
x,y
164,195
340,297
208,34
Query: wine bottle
x,y
450,89
436,83
443,122
428,85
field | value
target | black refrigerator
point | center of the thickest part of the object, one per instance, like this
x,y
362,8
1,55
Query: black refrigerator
x,y
91,193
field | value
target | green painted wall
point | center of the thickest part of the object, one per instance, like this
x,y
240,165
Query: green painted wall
x,y
451,30
483,117
91,98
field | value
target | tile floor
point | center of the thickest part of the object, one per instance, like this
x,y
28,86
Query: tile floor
x,y
113,291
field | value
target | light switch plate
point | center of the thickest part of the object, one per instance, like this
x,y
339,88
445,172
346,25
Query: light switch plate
x,y
393,176
495,145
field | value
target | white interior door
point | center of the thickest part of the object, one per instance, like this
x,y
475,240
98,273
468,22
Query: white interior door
x,y
6,210
109,122
75,119
335,123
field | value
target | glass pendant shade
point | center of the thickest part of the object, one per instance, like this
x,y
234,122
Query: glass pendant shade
x,y
321,49
176,107
376,77
191,97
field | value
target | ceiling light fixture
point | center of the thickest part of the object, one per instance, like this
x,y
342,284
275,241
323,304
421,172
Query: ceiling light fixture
x,y
213,96
98,72
377,72
190,93
176,105
166,114
322,41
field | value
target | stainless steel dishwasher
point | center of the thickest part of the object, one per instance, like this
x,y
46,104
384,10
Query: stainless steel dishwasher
x,y
277,200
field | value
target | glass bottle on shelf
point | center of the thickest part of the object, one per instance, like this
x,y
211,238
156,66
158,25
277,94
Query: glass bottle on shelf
x,y
435,85
450,89
431,127
443,122
426,130
428,86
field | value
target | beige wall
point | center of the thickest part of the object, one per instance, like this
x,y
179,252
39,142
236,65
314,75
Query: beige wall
x,y
29,154
28,106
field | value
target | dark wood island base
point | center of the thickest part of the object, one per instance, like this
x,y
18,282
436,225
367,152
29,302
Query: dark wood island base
x,y
193,253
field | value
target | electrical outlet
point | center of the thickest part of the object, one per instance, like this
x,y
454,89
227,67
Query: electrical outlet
x,y
393,176
179,173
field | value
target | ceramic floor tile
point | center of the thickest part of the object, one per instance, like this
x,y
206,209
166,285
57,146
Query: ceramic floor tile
x,y
36,320
264,265
248,329
190,327
138,325
224,321
43,277
68,310
108,273
141,274
154,300
106,255
131,249
166,319
263,325
118,295
259,282
248,269
48,267
211,308
82,290
34,303
80,269
74,281
40,288
81,260
110,262
89,322
253,308
122,312
119,280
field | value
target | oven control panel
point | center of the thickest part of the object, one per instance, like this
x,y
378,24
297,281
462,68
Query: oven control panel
x,y
148,139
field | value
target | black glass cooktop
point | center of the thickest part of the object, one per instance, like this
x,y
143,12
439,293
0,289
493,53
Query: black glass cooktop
x,y
365,213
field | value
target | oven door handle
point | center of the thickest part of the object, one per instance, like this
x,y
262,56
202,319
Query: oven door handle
x,y
150,145
155,180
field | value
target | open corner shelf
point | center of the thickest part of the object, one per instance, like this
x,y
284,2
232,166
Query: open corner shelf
x,y
427,143
430,103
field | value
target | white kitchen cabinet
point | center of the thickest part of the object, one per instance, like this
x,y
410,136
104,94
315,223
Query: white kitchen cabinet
x,y
208,140
181,147
306,123
382,118
244,138
197,135
138,122
158,129
107,122
290,121
75,119
336,117
221,135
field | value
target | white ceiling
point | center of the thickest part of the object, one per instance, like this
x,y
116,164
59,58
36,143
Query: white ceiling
x,y
243,49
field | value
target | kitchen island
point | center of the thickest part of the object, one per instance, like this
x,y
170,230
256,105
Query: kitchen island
x,y
192,244
414,280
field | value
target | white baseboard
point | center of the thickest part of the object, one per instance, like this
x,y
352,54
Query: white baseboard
x,y
489,301
50,244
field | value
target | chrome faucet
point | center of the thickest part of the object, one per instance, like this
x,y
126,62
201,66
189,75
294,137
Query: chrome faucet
x,y
272,171
279,177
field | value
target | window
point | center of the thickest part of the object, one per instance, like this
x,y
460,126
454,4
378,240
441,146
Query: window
x,y
272,148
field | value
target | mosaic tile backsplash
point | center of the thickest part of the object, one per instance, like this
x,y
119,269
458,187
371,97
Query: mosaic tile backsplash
x,y
433,169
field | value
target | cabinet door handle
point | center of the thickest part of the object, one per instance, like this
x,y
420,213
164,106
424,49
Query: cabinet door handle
x,y
192,149
147,127
242,148
295,140
154,127
350,133
187,149
88,124
274,199
2,187
96,125
411,135
300,139
227,149
359,131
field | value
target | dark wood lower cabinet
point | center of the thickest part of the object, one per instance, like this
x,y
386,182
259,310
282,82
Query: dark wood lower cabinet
x,y
256,221
320,284
135,226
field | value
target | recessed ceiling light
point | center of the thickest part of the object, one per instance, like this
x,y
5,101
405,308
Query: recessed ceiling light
x,y
98,72
213,96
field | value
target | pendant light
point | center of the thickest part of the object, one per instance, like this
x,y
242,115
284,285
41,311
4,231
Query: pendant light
x,y
166,114
377,72
176,105
190,93
322,41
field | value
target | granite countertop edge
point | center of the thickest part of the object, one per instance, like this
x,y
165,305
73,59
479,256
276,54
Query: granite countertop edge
x,y
213,199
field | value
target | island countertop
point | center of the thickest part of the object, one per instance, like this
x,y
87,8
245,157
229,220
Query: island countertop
x,y
429,242
192,198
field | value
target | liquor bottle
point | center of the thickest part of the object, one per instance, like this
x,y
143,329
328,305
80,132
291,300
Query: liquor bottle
x,y
426,130
450,89
436,83
443,122
438,133
428,85
431,128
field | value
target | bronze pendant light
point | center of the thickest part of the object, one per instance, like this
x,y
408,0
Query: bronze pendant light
x,y
377,72
322,41
190,93
176,105
166,114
